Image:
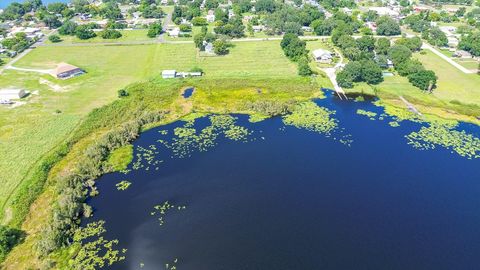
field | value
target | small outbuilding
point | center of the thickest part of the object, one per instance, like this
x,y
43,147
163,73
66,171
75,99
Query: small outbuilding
x,y
8,94
169,74
209,48
322,56
67,71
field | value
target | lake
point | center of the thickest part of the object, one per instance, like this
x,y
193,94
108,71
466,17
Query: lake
x,y
280,197
5,3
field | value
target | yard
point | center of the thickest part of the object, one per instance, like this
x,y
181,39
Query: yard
x,y
137,35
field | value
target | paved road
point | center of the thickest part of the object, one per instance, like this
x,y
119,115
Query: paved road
x,y
448,59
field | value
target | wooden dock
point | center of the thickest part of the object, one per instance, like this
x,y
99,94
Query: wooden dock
x,y
410,106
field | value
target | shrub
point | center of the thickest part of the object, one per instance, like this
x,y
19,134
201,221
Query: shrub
x,y
110,34
54,38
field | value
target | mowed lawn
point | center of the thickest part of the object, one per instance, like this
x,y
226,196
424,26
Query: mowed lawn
x,y
452,83
29,131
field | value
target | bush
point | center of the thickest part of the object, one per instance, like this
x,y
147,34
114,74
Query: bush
x,y
84,32
68,28
8,239
110,34
304,68
122,93
154,30
54,38
424,79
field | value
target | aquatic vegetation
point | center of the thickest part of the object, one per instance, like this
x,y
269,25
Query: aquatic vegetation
x,y
464,144
121,157
310,116
95,252
172,265
187,139
123,185
369,114
163,209
394,124
359,99
256,117
146,157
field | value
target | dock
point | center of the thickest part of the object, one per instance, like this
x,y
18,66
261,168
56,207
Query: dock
x,y
410,106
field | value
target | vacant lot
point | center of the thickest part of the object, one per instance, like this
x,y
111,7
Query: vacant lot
x,y
29,131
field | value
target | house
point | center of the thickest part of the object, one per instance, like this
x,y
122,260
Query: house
x,y
322,56
462,54
230,13
209,48
175,32
169,74
67,71
258,28
8,94
452,42
210,18
307,29
385,11
448,30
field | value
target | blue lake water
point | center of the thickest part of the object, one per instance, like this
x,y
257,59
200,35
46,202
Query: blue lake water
x,y
5,3
294,199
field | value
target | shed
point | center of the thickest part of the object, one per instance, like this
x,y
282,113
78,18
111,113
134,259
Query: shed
x,y
7,94
169,74
66,71
209,48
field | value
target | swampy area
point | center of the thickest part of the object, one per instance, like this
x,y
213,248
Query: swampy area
x,y
332,185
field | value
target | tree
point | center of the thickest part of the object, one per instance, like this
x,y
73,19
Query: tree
x,y
154,30
110,34
199,21
293,47
220,47
13,11
399,54
382,45
386,26
370,16
324,27
122,93
9,237
408,67
185,28
471,43
68,28
435,36
54,38
211,4
265,5
303,67
51,21
198,40
84,32
366,43
344,79
293,27
57,7
414,43
111,11
371,72
424,79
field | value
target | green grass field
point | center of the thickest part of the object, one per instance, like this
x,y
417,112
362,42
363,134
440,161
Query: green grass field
x,y
29,131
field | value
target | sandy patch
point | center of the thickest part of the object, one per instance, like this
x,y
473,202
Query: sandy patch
x,y
53,87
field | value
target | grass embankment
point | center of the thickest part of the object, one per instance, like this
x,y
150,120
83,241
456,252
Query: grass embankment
x,y
457,95
56,107
211,95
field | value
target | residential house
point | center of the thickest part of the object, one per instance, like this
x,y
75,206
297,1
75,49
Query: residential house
x,y
210,16
322,56
10,93
209,48
175,32
169,74
462,54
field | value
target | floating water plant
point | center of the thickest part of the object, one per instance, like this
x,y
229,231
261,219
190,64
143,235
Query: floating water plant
x,y
394,124
123,185
464,144
162,209
97,253
187,139
146,157
369,114
310,116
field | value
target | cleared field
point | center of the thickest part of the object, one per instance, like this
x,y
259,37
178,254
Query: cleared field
x,y
127,35
29,131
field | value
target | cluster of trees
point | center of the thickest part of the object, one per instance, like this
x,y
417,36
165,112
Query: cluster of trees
x,y
421,23
416,73
220,45
471,43
73,188
187,12
17,43
233,28
85,31
295,49
289,19
363,65
387,26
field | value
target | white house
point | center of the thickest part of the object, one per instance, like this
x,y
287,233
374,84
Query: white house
x,y
385,11
174,32
462,54
452,41
169,74
258,28
209,48
322,56
210,18
7,94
